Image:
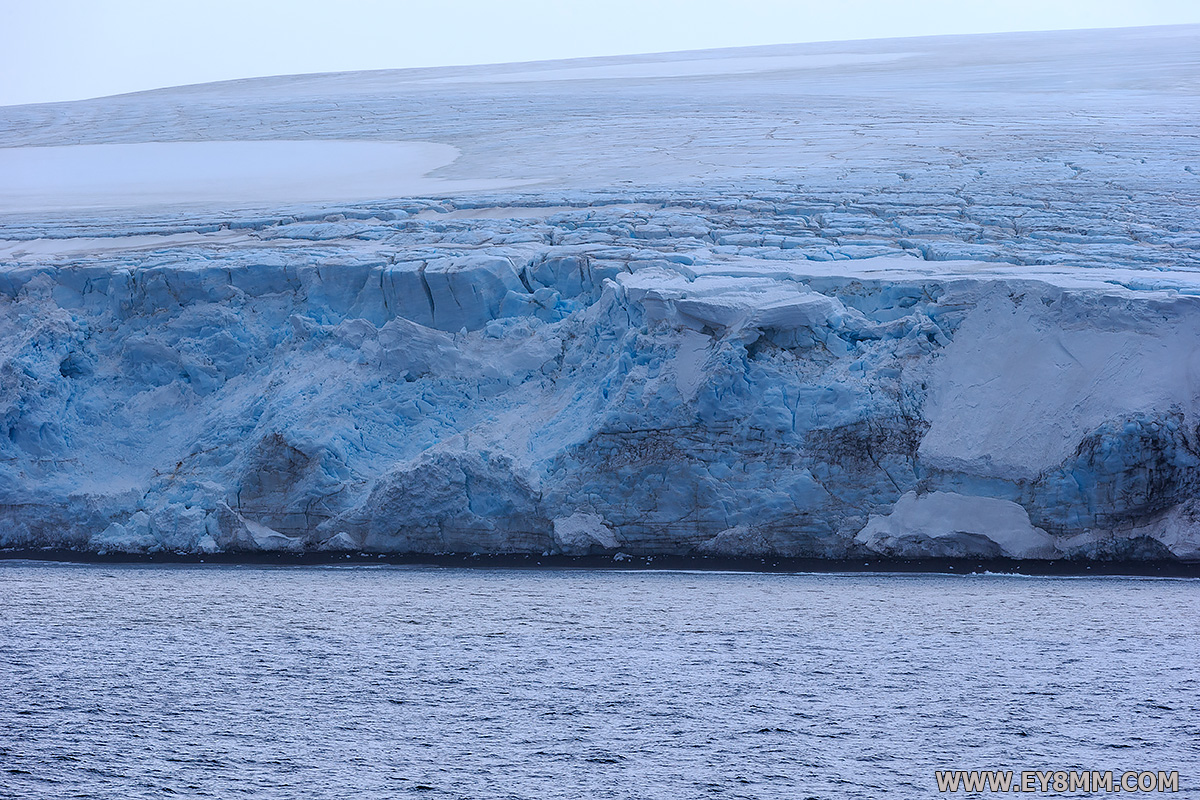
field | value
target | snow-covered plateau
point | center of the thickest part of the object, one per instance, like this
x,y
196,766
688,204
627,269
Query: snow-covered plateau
x,y
906,298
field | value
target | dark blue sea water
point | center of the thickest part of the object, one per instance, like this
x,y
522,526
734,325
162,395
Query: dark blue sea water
x,y
357,682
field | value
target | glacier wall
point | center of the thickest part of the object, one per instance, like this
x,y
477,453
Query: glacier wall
x,y
299,384
923,297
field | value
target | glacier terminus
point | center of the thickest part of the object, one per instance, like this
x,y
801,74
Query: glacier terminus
x,y
900,299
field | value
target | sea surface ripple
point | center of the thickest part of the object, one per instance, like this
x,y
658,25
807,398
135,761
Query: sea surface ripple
x,y
217,681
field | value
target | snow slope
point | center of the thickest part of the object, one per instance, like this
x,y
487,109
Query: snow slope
x,y
912,297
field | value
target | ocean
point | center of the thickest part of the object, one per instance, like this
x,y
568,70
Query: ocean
x,y
149,681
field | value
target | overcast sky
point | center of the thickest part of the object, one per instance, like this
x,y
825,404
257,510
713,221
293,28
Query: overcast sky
x,y
71,49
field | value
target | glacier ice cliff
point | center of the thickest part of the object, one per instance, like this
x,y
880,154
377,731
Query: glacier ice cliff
x,y
589,398
981,344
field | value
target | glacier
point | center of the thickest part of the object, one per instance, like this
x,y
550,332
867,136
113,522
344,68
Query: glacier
x,y
902,299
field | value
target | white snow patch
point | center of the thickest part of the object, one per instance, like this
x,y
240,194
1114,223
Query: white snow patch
x,y
146,173
1177,530
729,302
92,245
270,539
496,212
339,542
906,268
734,64
947,514
582,532
1063,373
689,363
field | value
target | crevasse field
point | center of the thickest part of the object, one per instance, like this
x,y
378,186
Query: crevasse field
x,y
906,298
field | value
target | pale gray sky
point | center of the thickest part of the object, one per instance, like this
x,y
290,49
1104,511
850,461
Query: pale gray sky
x,y
71,49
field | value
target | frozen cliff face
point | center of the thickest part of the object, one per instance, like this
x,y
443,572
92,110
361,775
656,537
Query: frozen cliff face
x,y
739,406
653,341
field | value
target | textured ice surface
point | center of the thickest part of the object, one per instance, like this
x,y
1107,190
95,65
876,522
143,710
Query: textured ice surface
x,y
936,296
